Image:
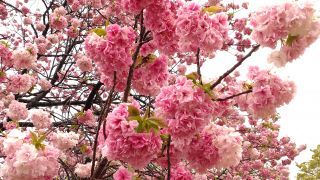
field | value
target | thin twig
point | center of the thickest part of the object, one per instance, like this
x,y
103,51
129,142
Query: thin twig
x,y
134,58
234,67
235,95
198,65
101,119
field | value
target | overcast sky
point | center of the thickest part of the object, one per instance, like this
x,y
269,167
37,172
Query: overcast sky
x,y
300,119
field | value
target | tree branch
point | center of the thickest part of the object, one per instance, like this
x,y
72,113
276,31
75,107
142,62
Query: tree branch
x,y
198,65
234,67
168,158
134,58
233,96
91,96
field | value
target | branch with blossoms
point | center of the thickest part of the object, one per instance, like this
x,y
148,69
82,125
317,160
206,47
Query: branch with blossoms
x,y
98,89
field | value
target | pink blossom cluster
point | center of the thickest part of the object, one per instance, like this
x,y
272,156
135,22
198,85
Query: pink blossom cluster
x,y
270,24
5,55
27,21
176,155
83,170
20,83
289,21
53,38
6,99
24,161
73,30
3,12
197,29
163,29
17,110
57,18
149,78
84,64
124,143
215,147
181,172
41,119
44,84
186,108
25,58
262,144
64,140
288,53
86,118
268,93
98,3
43,44
212,2
112,54
122,174
135,6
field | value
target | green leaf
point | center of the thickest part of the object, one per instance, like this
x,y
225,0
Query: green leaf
x,y
157,121
291,39
79,114
34,137
99,31
2,74
141,60
192,76
141,127
164,137
152,125
247,86
83,148
37,140
74,126
212,9
207,89
42,138
107,23
137,118
133,111
6,44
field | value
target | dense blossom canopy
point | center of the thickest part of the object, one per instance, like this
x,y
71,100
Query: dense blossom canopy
x,y
113,89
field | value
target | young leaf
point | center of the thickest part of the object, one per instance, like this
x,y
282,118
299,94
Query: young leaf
x,y
133,111
107,23
34,137
137,118
212,9
207,89
42,138
99,31
159,122
83,148
192,76
291,39
141,127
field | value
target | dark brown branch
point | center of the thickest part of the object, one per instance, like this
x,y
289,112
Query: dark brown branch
x,y
198,65
30,124
91,96
234,67
53,103
168,158
55,76
233,96
102,117
134,58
